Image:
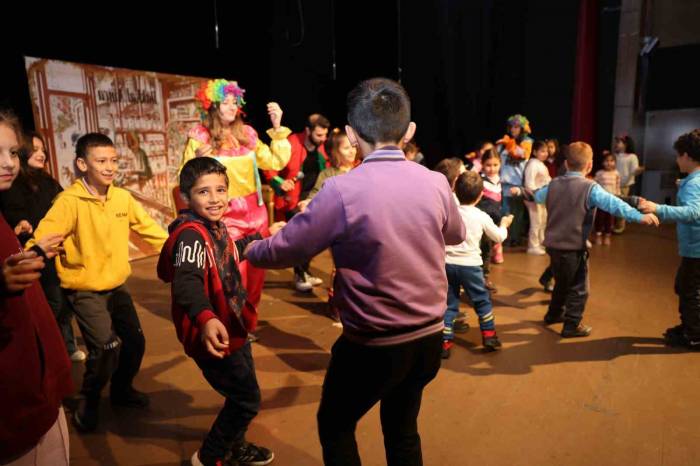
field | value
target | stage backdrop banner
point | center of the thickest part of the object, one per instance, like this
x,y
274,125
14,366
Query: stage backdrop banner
x,y
146,114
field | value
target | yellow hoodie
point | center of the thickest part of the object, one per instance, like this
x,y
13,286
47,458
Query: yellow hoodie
x,y
96,235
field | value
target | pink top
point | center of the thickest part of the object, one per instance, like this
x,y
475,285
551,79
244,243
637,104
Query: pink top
x,y
609,180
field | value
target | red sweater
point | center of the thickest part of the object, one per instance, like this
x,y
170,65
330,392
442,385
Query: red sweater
x,y
290,199
35,371
189,330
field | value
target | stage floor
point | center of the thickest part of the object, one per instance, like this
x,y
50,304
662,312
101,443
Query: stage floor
x,y
617,398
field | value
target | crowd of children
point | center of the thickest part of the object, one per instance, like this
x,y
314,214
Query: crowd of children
x,y
396,323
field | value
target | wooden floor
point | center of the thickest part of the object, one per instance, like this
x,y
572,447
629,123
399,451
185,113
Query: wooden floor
x,y
617,398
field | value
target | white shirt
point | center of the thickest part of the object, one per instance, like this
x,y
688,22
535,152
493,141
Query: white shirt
x,y
477,222
626,165
536,175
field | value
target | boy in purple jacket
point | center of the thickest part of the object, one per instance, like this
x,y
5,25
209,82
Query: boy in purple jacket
x,y
387,223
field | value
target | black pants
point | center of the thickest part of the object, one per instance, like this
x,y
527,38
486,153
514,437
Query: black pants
x,y
113,336
570,269
687,288
57,301
358,377
486,246
234,378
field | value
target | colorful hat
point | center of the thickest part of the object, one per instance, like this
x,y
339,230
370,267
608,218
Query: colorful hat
x,y
215,91
519,120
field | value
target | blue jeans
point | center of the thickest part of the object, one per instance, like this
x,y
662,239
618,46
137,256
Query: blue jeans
x,y
471,278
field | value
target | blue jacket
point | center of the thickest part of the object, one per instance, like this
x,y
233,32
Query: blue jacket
x,y
686,215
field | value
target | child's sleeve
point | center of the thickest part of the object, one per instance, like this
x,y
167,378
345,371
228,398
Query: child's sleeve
x,y
60,218
540,195
530,177
689,212
144,225
611,204
492,231
188,278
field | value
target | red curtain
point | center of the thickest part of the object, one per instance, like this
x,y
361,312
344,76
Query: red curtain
x,y
583,116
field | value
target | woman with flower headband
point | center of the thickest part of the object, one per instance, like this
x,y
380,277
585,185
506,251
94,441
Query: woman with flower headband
x,y
514,149
224,136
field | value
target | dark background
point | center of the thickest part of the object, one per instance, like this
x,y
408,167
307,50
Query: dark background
x,y
467,65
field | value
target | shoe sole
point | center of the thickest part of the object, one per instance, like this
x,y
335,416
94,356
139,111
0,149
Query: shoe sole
x,y
258,463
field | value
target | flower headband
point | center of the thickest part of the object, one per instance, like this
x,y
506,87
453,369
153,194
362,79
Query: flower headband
x,y
215,91
519,120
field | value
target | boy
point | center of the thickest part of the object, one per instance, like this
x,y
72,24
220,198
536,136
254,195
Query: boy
x,y
96,218
387,222
687,215
210,311
464,263
571,203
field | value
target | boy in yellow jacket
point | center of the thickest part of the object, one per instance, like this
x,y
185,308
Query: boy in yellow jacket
x,y
95,219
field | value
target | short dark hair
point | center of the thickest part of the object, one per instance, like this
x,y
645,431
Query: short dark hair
x,y
195,169
90,140
689,143
468,187
316,119
450,168
379,110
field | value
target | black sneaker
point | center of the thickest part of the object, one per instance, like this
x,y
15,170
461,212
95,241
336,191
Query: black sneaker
x,y
677,330
252,337
446,349
580,331
548,285
249,454
460,326
129,398
87,414
492,343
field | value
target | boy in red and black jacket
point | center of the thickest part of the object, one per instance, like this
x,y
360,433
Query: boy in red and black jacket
x,y
210,310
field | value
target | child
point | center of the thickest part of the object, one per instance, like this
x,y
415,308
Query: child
x,y
343,159
554,159
474,158
628,166
96,218
413,153
463,263
571,203
536,176
609,178
687,216
387,223
211,312
491,203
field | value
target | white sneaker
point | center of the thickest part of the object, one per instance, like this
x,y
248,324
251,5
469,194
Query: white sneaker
x,y
302,285
78,356
537,251
314,281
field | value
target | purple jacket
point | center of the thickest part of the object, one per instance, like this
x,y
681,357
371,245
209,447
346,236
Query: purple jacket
x,y
387,223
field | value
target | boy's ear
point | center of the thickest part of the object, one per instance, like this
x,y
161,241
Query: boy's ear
x,y
81,164
410,132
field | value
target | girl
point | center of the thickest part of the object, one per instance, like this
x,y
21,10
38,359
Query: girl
x,y
536,176
224,135
627,165
491,203
608,178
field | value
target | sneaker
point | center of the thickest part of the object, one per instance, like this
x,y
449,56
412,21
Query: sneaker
x,y
249,454
78,356
86,415
589,245
537,251
598,239
675,339
491,343
460,326
446,349
313,281
607,240
490,286
547,285
252,337
301,284
129,398
580,331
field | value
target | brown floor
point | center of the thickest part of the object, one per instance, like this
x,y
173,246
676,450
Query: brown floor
x,y
617,398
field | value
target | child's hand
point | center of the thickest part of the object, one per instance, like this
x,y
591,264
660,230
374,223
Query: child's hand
x,y
515,191
647,207
19,271
23,227
51,245
276,227
287,185
215,338
650,219
275,112
506,221
205,150
302,204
